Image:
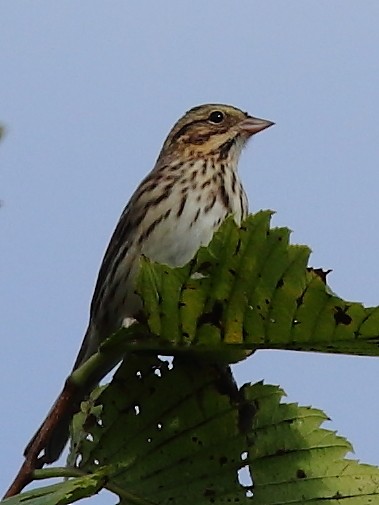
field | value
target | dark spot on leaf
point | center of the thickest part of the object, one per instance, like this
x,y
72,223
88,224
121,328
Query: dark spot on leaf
x,y
233,272
280,283
223,460
209,492
280,452
182,304
300,474
204,267
246,413
89,422
197,441
320,273
213,317
192,263
340,315
238,246
337,496
259,307
300,300
267,301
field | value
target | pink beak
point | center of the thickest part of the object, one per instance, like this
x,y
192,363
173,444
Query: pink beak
x,y
252,125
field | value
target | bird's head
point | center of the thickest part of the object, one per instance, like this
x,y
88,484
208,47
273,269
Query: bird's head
x,y
211,130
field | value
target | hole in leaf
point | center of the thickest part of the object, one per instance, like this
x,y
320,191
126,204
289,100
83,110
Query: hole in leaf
x,y
137,409
244,477
89,437
157,372
244,456
197,275
159,426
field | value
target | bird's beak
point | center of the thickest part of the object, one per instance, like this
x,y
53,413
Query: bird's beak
x,y
252,125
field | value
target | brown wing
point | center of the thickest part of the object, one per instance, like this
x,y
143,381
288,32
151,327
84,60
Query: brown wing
x,y
127,230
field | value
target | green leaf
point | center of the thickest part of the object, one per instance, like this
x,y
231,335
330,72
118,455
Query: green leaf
x,y
250,289
181,435
64,493
163,428
294,460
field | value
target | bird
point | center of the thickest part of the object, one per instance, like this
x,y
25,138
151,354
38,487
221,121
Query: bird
x,y
177,207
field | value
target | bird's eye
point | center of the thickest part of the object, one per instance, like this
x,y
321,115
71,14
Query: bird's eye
x,y
216,117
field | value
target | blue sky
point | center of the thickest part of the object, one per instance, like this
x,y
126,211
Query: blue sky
x,y
89,91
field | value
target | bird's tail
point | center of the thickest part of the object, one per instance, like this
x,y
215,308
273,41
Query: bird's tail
x,y
53,438
53,433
